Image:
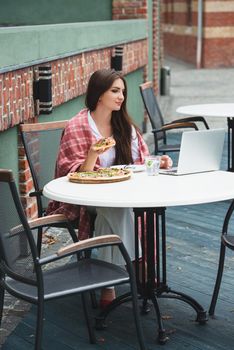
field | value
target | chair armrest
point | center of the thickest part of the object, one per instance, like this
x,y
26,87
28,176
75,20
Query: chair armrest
x,y
36,193
193,119
40,222
48,220
172,126
73,248
94,242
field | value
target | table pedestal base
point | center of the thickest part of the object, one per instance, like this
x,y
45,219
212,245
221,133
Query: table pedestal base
x,y
151,270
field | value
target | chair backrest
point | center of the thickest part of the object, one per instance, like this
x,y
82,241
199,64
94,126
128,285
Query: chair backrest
x,y
152,107
41,143
17,247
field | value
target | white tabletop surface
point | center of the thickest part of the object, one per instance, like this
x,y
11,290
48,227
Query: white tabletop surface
x,y
208,110
146,191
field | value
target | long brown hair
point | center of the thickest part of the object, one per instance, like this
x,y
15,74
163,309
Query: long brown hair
x,y
101,81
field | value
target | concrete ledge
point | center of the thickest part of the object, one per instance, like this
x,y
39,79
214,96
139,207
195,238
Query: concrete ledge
x,y
30,45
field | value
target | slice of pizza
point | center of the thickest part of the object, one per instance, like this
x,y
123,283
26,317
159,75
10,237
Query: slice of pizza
x,y
104,144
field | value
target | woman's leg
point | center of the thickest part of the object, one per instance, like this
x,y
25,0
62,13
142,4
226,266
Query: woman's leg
x,y
107,296
118,221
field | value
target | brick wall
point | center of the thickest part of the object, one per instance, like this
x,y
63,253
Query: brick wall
x,y
70,75
157,45
124,9
69,80
16,98
180,31
180,26
181,46
218,43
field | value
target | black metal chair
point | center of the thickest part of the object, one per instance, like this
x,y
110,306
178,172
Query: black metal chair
x,y
159,128
227,241
41,144
23,273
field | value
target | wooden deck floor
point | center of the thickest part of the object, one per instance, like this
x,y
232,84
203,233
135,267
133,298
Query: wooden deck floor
x,y
193,237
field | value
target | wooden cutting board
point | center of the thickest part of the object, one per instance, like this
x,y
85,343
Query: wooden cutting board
x,y
100,180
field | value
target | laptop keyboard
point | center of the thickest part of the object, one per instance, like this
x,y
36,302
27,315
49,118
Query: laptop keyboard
x,y
168,171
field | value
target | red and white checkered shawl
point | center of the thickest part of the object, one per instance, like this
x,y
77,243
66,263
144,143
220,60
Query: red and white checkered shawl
x,y
76,141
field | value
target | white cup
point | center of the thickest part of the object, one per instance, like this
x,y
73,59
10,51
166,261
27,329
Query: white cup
x,y
152,165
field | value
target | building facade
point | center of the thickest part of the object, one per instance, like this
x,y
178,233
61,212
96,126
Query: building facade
x,y
200,32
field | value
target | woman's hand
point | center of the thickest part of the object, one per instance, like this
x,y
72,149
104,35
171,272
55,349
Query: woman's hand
x,y
92,156
166,162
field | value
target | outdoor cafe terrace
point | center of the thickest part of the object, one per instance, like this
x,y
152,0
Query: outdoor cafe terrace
x,y
193,241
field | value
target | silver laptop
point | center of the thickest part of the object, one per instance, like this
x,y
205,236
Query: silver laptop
x,y
200,151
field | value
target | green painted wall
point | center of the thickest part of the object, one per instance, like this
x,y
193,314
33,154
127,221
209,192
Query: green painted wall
x,y
135,104
65,111
31,12
35,44
9,150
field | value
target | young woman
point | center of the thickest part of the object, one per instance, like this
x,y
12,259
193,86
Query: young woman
x,y
105,116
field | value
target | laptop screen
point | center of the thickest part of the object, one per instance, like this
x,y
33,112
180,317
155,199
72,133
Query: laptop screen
x,y
200,151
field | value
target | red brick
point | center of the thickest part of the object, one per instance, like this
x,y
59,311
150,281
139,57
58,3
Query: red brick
x,y
24,175
217,19
31,211
26,187
23,164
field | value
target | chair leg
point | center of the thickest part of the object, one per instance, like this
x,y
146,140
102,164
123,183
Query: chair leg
x,y
218,280
2,294
93,299
39,329
39,240
92,337
136,314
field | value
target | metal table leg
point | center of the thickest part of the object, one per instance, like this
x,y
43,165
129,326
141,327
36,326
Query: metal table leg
x,y
151,270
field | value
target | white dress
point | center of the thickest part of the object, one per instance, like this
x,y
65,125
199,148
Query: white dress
x,y
118,221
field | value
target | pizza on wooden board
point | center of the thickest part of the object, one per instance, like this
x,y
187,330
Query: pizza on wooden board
x,y
104,144
102,175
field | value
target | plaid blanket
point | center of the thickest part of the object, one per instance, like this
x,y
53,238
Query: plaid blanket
x,y
76,141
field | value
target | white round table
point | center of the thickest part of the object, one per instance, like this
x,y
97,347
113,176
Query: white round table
x,y
146,191
219,110
149,196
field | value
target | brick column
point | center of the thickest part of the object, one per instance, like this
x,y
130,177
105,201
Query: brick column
x,y
124,9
